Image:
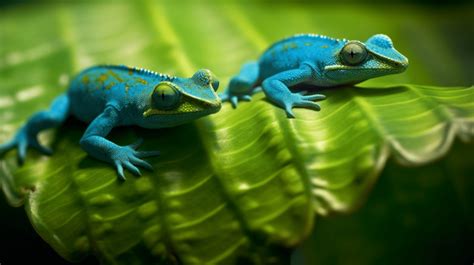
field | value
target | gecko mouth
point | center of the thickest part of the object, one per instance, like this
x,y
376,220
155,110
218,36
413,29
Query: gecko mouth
x,y
387,66
332,68
203,107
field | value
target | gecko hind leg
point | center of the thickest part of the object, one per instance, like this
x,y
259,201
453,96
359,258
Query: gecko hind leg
x,y
241,86
27,136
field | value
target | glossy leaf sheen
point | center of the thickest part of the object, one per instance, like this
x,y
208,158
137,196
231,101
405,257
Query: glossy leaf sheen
x,y
236,186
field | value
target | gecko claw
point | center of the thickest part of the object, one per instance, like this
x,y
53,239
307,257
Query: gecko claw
x,y
234,101
289,111
135,171
119,168
127,157
246,98
22,146
22,141
136,144
308,104
314,97
299,100
141,163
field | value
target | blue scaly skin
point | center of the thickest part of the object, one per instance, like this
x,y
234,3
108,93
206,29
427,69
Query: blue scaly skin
x,y
313,60
109,96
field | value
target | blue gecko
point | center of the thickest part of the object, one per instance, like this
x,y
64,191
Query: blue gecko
x,y
107,96
313,60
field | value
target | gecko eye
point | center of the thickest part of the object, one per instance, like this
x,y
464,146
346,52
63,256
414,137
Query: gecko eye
x,y
165,96
205,77
353,53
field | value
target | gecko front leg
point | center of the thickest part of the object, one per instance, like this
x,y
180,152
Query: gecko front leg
x,y
276,90
94,143
242,86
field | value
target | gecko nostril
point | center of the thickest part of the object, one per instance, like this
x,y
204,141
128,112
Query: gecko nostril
x,y
215,85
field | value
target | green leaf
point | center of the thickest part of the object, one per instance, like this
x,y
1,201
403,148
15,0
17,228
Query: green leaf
x,y
240,186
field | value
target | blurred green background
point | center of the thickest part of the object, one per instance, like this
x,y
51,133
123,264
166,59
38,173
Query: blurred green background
x,y
413,216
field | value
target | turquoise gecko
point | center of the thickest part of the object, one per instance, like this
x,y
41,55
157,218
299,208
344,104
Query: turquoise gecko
x,y
313,60
109,96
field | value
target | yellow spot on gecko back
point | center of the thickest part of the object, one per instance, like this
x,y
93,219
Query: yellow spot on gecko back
x,y
288,46
102,78
115,75
85,80
141,80
324,46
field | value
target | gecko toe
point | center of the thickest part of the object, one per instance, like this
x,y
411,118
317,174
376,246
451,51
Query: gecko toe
x,y
308,104
314,97
22,146
257,90
136,144
246,98
135,171
234,101
141,163
119,167
289,112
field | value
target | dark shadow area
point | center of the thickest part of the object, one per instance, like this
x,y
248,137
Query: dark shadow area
x,y
421,215
20,244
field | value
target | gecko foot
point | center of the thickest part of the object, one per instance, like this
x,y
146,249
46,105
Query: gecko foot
x,y
234,99
128,157
22,140
300,100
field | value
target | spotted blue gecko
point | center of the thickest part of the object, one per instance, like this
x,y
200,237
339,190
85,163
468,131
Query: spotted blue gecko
x,y
108,96
313,60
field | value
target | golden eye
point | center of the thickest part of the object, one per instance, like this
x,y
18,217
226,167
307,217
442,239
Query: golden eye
x,y
165,96
353,53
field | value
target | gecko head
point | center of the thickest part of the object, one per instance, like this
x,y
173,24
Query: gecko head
x,y
185,99
354,61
